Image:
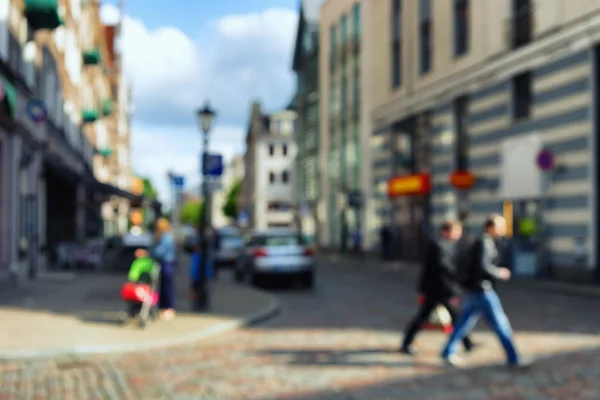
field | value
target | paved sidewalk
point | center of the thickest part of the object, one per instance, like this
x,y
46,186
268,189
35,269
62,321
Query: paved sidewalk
x,y
65,314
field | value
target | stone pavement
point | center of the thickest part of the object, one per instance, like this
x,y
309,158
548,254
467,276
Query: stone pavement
x,y
337,343
84,314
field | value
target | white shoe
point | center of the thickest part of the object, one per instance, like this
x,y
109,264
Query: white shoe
x,y
453,360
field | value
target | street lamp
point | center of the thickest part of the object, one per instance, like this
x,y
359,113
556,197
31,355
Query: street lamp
x,y
205,117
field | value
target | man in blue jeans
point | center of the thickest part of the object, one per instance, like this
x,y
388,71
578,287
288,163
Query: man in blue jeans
x,y
480,277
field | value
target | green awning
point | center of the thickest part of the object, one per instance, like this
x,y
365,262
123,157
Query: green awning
x,y
91,57
89,116
107,107
10,97
42,14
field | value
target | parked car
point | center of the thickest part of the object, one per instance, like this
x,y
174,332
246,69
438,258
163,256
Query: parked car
x,y
281,253
228,247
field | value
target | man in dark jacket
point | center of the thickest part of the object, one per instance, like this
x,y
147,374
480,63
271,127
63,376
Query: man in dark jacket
x,y
438,282
481,276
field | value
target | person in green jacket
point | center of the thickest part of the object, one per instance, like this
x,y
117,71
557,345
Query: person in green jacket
x,y
142,265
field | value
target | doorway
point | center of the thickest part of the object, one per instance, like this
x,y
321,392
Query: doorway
x,y
524,222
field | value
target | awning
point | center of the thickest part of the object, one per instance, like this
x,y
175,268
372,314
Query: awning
x,y
55,164
109,189
42,14
10,96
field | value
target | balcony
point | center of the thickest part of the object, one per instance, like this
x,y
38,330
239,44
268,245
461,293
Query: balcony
x,y
520,28
91,57
42,14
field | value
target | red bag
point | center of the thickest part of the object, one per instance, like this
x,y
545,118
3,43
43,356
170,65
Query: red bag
x,y
440,319
135,292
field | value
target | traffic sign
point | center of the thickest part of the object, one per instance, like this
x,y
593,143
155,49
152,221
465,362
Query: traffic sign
x,y
178,181
545,160
212,165
243,217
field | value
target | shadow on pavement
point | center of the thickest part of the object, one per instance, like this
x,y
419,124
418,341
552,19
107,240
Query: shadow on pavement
x,y
552,377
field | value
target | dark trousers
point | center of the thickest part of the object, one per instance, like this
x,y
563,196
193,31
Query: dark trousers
x,y
166,298
422,317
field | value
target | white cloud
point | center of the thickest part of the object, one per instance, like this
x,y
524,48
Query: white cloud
x,y
232,61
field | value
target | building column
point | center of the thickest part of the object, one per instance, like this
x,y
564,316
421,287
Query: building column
x,y
80,213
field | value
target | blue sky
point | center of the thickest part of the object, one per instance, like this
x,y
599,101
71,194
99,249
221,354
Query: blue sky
x,y
228,51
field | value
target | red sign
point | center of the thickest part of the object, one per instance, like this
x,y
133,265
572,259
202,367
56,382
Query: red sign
x,y
408,185
462,180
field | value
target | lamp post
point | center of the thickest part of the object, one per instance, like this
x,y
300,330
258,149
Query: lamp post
x,y
205,116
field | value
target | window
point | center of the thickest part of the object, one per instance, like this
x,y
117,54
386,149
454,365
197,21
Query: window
x,y
396,43
285,177
271,150
344,24
461,27
277,127
461,109
332,46
356,21
521,24
425,36
285,150
522,96
271,177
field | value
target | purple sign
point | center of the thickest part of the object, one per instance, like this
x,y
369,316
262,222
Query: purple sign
x,y
545,160
2,91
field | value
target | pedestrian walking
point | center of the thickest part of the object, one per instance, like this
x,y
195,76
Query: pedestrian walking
x,y
164,252
480,279
438,283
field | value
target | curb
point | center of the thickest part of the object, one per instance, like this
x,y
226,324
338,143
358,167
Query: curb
x,y
268,312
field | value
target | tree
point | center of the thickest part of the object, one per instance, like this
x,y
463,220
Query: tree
x,y
190,212
230,208
149,190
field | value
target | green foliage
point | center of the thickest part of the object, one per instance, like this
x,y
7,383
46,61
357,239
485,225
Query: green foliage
x,y
230,208
150,192
190,212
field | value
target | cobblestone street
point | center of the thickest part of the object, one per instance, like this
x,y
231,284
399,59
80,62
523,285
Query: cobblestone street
x,y
337,343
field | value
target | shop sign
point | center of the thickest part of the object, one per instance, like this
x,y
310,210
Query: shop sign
x,y
462,179
409,185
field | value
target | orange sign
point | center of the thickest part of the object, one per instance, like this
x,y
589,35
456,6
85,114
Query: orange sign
x,y
419,184
462,179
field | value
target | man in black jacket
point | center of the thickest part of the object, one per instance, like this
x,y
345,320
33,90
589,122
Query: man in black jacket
x,y
437,283
479,281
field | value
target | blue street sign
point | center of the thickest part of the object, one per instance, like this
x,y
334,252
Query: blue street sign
x,y
213,165
243,217
178,181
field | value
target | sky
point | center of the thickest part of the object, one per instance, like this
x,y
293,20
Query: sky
x,y
179,54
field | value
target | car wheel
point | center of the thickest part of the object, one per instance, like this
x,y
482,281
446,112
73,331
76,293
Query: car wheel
x,y
308,280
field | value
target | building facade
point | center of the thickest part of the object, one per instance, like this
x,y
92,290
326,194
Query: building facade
x,y
507,103
267,191
306,66
344,79
48,193
233,174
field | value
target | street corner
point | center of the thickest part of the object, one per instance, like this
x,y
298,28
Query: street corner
x,y
36,333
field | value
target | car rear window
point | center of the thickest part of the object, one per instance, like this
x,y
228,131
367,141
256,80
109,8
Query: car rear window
x,y
279,240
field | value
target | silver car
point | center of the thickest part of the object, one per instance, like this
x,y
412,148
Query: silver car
x,y
278,253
